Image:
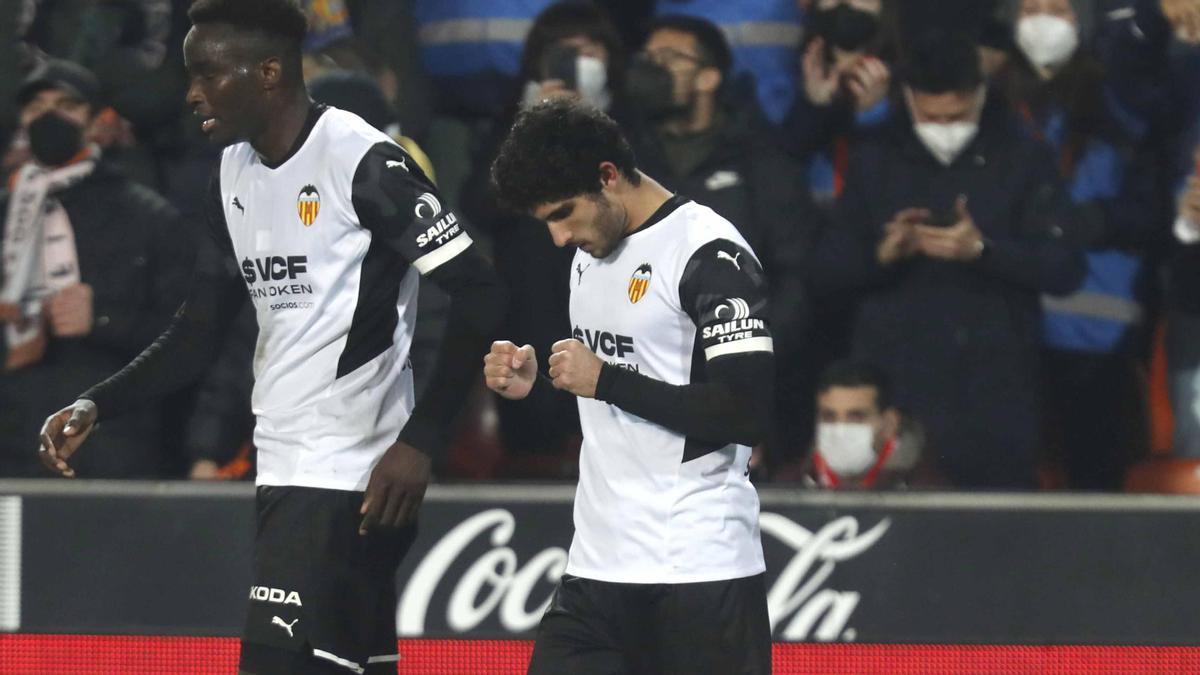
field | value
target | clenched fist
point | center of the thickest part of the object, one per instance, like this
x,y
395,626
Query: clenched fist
x,y
574,368
510,370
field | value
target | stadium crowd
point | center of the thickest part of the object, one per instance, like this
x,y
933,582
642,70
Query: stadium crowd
x,y
980,219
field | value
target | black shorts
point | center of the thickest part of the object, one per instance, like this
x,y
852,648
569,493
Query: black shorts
x,y
323,598
601,628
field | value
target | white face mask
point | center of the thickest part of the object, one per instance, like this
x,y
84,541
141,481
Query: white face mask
x,y
1047,41
592,81
848,449
946,141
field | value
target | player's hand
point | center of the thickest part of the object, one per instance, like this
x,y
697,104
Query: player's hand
x,y
63,433
71,311
899,236
396,488
509,370
574,368
961,242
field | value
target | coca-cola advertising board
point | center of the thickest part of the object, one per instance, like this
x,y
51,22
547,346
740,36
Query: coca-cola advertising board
x,y
851,568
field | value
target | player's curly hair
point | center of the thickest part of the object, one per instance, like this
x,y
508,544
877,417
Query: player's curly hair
x,y
554,152
277,18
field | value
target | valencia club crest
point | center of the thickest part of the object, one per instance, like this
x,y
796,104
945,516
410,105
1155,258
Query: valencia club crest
x,y
639,283
308,204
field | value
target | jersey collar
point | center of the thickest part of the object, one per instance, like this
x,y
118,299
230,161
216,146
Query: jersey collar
x,y
668,207
314,113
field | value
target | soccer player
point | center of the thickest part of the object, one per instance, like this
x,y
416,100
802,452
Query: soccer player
x,y
671,361
328,224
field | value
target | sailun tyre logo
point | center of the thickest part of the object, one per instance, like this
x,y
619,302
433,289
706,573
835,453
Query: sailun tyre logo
x,y
732,309
308,204
427,206
639,283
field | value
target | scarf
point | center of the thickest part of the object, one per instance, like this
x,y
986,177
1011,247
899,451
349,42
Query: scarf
x,y
40,257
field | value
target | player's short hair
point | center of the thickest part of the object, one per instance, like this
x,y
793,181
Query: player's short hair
x,y
554,151
941,61
853,373
282,20
714,48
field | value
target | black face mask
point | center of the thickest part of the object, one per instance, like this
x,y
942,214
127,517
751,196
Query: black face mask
x,y
650,88
54,139
845,27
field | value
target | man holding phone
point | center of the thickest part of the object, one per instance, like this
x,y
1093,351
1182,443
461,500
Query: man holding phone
x,y
952,225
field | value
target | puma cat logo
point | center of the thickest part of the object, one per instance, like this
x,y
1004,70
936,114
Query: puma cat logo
x,y
722,255
276,621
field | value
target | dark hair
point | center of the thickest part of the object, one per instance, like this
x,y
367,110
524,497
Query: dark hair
x,y
714,48
850,373
280,19
554,151
569,19
941,61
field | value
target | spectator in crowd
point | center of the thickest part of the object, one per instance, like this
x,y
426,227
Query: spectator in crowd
x,y
763,37
573,49
858,431
846,76
996,45
385,35
1151,55
1095,407
94,266
714,148
952,225
126,45
845,82
565,34
1183,328
472,50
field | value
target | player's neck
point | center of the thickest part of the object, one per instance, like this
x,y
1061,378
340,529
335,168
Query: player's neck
x,y
286,125
644,199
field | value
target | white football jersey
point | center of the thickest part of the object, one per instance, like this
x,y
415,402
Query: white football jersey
x,y
654,506
330,244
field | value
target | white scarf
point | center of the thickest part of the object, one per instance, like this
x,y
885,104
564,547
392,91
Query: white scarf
x,y
40,258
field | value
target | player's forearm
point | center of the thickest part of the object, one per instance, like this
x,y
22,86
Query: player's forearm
x,y
732,408
477,306
180,354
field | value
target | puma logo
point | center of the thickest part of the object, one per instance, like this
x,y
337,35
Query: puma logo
x,y
239,205
276,621
722,255
580,269
391,164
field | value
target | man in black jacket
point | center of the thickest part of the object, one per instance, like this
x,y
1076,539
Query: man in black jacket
x,y
111,265
709,144
952,225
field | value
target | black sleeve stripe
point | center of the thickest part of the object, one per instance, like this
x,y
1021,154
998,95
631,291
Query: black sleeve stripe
x,y
725,292
398,204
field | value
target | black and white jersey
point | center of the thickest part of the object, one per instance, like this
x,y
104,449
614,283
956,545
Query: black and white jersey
x,y
330,244
654,506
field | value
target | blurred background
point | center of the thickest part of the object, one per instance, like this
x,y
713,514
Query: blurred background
x,y
1064,356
